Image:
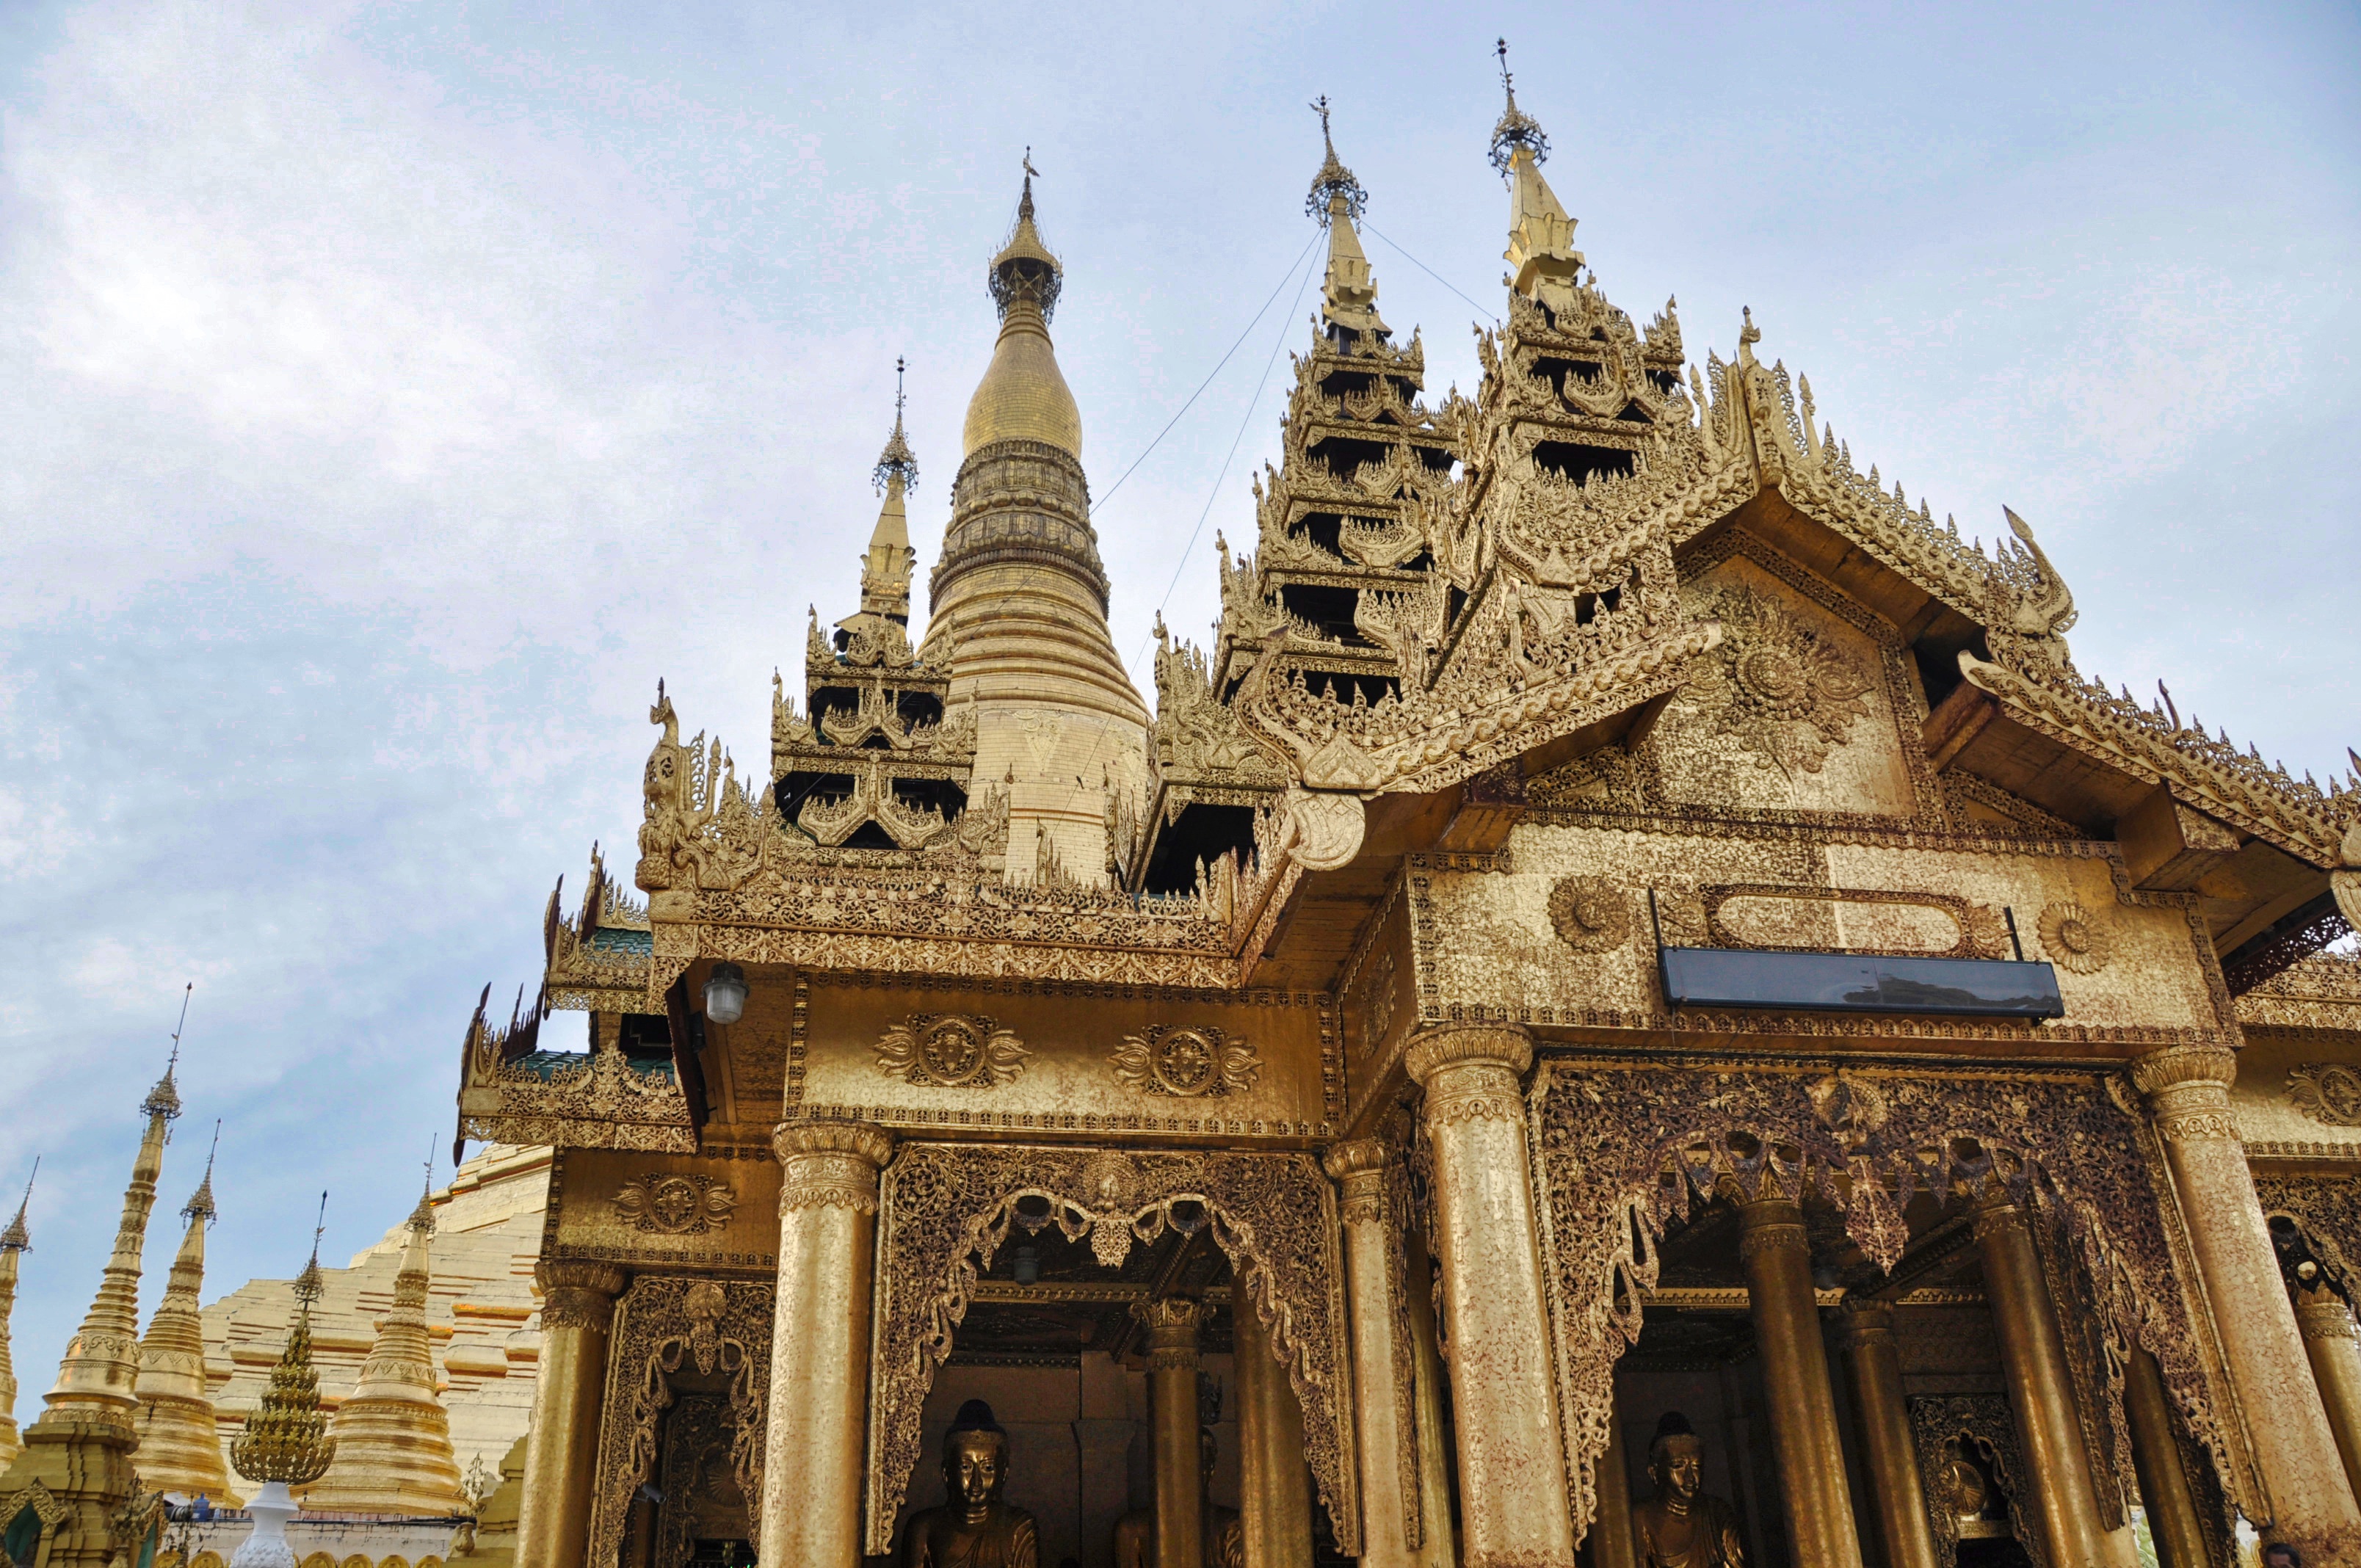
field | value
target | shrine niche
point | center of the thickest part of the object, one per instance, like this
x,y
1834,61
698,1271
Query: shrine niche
x,y
946,1210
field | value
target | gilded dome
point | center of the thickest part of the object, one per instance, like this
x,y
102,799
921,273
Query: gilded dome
x,y
1023,395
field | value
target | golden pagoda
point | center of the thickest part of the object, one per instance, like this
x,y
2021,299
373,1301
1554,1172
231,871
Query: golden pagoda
x,y
15,1242
180,1446
285,1444
1632,1006
392,1435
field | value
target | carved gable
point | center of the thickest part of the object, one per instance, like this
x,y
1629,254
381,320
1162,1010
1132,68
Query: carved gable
x,y
1806,704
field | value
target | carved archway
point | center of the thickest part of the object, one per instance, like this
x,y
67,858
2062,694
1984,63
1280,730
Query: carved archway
x,y
663,1323
1622,1148
944,1211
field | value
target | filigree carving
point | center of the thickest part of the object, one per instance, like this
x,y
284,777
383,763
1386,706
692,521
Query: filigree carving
x,y
2328,1093
2327,1210
1591,914
662,1322
947,1209
950,1050
1626,1148
1977,930
1939,1428
2076,940
1186,1060
1790,695
675,1205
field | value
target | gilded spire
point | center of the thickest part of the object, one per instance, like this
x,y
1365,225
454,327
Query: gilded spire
x,y
1023,395
286,1440
1545,267
394,1437
99,1375
15,1242
887,566
896,466
1349,293
179,1448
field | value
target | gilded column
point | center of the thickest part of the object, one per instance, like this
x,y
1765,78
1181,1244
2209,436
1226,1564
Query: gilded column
x,y
1511,1463
1274,1482
577,1308
1381,1388
2310,1501
2165,1493
2326,1324
2040,1388
813,1464
1612,1543
1437,1548
1777,1261
1172,1323
1898,1496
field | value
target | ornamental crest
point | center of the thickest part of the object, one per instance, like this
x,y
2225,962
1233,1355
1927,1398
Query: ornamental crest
x,y
1591,914
1792,695
1188,1062
950,1050
675,1205
2326,1091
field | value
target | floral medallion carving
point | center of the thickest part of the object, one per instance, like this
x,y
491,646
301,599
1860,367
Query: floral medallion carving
x,y
1591,914
1186,1062
2076,940
2326,1091
950,1050
1790,696
675,1205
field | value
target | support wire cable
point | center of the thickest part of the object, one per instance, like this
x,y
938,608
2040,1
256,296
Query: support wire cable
x,y
1423,267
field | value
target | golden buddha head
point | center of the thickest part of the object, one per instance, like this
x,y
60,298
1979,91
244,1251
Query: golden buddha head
x,y
1676,1457
975,1458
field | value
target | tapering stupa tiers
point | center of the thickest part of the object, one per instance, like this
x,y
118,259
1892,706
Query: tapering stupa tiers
x,y
1544,264
392,1435
99,1376
286,1439
180,1446
1348,293
15,1242
1020,597
887,566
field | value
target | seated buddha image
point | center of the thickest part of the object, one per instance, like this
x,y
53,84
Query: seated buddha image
x,y
1681,1526
975,1528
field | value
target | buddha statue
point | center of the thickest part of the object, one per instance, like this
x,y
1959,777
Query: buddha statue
x,y
974,1529
1681,1527
1225,1544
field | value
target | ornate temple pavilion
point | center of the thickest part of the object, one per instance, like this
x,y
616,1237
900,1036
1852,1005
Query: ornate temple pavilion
x,y
1630,1006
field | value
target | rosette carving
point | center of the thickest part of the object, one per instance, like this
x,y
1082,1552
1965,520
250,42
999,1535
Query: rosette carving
x,y
950,1050
1187,1062
2076,940
1591,914
1790,695
675,1205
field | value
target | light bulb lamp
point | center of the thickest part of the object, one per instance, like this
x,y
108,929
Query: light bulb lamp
x,y
725,993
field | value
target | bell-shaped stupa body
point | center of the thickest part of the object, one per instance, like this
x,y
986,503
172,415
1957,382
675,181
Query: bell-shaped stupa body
x,y
392,1435
180,1446
1019,597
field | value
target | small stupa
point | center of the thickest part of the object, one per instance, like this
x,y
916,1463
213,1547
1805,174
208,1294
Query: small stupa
x,y
179,1448
286,1442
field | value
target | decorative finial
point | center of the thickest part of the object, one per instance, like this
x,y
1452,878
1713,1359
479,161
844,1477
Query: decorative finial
x,y
16,1238
1025,268
164,1100
896,461
1516,129
423,1217
308,1285
201,1202
1334,179
286,1440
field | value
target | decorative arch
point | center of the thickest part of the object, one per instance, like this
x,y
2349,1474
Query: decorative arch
x,y
944,1210
1621,1149
661,1323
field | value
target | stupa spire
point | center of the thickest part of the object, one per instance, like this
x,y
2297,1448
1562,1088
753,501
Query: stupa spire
x,y
1023,395
15,1242
1349,293
180,1447
286,1440
1544,264
392,1436
99,1376
885,568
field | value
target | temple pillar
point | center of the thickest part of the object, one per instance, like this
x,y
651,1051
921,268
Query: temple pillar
x,y
1898,1496
1274,1481
1777,1261
812,1468
2308,1498
2165,1493
1437,1547
2326,1324
1359,1168
1612,1541
1512,1502
578,1309
2040,1388
1172,1323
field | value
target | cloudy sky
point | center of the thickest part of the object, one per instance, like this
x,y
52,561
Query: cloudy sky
x,y
390,395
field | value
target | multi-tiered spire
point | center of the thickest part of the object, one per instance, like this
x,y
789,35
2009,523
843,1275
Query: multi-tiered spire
x,y
394,1437
286,1441
1349,292
1544,264
885,568
179,1448
99,1378
15,1242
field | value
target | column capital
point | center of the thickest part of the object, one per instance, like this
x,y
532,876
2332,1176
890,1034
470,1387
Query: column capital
x,y
1444,1046
1361,1157
1358,1168
578,1294
1866,1323
829,1164
791,1139
1771,1224
1172,1323
1997,1214
2158,1074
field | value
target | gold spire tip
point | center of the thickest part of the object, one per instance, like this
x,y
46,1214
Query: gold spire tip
x,y
1335,181
164,1100
200,1205
1515,128
1025,268
896,461
16,1238
308,1285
